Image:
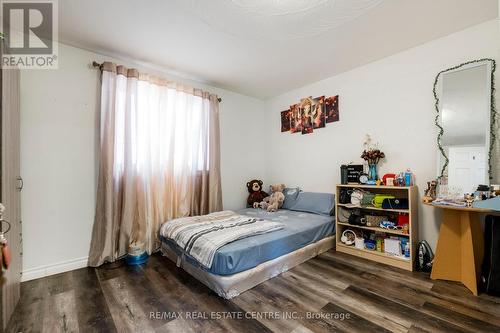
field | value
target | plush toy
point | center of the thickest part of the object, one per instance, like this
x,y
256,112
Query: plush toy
x,y
273,202
256,194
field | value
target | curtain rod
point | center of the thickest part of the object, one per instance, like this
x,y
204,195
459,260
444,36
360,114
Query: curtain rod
x,y
99,65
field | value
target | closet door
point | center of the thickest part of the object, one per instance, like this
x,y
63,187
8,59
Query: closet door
x,y
11,184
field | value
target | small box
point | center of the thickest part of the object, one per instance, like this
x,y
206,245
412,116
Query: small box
x,y
392,246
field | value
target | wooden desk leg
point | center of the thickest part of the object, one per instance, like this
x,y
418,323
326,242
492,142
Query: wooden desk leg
x,y
460,249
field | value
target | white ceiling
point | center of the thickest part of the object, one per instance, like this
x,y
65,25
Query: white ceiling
x,y
262,48
277,20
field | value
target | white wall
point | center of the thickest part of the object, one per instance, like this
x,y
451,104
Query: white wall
x,y
59,137
390,99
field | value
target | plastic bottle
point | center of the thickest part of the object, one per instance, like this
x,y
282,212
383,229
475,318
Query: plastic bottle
x,y
408,177
407,250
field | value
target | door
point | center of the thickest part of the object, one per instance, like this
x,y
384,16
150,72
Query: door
x,y
467,168
11,185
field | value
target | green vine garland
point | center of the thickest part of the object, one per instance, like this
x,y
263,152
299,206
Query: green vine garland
x,y
493,112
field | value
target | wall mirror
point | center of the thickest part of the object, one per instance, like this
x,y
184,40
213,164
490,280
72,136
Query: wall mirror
x,y
465,107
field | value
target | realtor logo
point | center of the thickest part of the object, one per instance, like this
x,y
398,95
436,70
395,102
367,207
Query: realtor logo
x,y
30,34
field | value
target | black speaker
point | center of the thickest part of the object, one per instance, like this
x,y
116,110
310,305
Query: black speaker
x,y
490,276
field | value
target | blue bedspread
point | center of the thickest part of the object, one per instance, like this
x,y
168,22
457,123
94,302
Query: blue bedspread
x,y
301,229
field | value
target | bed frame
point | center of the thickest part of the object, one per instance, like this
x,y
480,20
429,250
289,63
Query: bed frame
x,y
229,286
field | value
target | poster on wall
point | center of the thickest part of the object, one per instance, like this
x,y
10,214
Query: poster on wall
x,y
318,112
285,121
306,112
310,114
332,109
295,119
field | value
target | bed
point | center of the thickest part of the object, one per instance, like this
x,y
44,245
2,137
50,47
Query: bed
x,y
244,263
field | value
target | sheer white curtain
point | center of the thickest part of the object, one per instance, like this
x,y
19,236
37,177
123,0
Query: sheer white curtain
x,y
160,159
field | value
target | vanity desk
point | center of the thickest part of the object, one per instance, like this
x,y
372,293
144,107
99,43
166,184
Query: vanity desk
x,y
460,247
465,116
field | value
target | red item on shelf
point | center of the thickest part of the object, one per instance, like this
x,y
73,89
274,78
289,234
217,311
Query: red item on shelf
x,y
388,175
403,219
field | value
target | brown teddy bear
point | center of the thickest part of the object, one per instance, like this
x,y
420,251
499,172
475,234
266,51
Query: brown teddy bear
x,y
256,194
273,202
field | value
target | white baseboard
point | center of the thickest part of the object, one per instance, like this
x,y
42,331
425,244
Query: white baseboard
x,y
47,270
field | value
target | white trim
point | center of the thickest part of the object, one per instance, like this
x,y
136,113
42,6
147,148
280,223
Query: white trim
x,y
47,270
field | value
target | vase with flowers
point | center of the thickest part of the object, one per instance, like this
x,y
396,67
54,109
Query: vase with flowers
x,y
372,155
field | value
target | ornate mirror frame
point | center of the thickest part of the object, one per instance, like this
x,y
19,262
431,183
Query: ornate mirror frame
x,y
493,111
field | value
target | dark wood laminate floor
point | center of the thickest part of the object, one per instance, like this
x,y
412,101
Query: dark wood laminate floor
x,y
332,292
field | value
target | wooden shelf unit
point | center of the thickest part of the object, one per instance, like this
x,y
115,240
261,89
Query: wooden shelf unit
x,y
409,192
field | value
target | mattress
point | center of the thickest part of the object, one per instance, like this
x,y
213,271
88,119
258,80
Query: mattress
x,y
229,286
300,230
